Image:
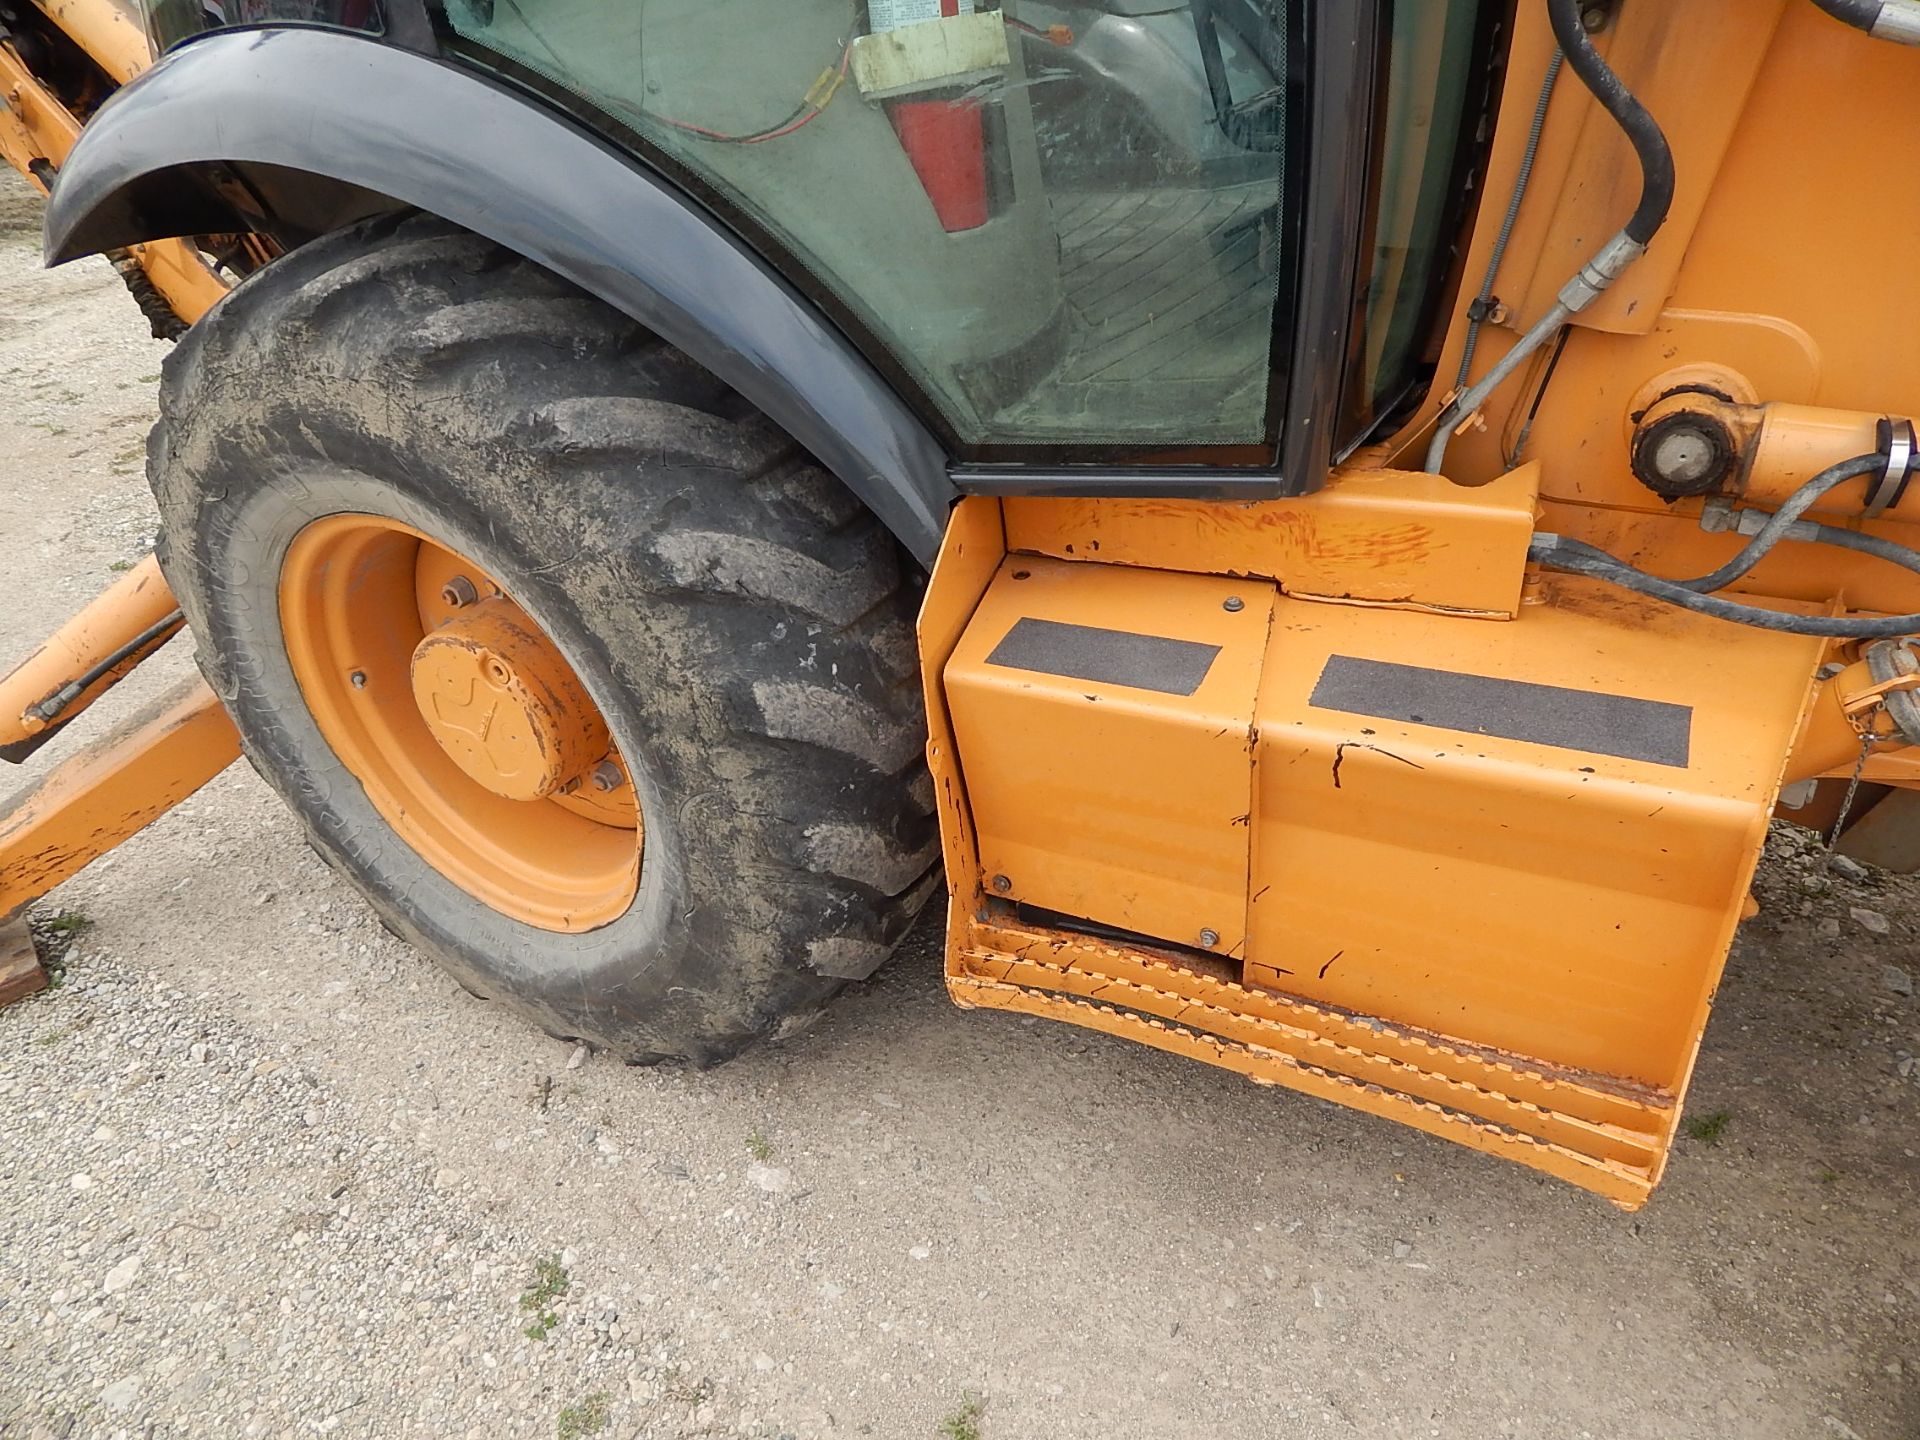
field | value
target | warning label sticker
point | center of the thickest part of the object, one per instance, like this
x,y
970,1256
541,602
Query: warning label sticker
x,y
892,14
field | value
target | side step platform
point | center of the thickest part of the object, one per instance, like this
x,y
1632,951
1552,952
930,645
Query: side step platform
x,y
1592,1133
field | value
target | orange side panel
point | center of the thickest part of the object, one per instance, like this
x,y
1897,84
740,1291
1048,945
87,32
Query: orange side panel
x,y
1093,792
1545,899
970,556
1381,537
1487,871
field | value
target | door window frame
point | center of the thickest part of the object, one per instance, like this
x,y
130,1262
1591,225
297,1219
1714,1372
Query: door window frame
x,y
1334,125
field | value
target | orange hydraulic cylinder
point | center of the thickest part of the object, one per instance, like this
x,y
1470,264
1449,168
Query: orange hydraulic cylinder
x,y
134,604
1781,447
1797,442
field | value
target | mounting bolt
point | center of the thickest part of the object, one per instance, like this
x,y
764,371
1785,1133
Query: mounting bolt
x,y
459,592
1233,604
1209,939
358,679
1594,18
607,777
1002,884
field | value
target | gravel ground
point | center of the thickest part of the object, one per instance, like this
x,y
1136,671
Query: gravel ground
x,y
264,1172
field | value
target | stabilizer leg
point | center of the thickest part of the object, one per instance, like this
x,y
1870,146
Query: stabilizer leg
x,y
112,790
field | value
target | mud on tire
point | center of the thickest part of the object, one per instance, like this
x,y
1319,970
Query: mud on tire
x,y
741,620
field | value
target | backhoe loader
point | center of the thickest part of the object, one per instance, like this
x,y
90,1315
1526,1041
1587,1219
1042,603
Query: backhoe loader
x,y
1332,524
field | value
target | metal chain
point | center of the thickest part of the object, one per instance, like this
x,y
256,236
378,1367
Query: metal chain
x,y
1867,740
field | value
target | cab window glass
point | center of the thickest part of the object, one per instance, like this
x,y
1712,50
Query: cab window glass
x,y
1064,220
1431,71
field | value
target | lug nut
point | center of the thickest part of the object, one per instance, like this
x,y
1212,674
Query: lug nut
x,y
459,591
607,777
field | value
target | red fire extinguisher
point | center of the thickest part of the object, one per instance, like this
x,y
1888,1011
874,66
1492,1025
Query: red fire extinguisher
x,y
945,140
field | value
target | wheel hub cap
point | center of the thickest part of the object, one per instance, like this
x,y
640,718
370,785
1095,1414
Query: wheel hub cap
x,y
505,706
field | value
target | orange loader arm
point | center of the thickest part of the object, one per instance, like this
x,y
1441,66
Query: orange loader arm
x,y
156,757
116,786
38,128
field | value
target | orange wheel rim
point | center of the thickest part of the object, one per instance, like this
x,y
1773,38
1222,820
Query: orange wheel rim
x,y
462,721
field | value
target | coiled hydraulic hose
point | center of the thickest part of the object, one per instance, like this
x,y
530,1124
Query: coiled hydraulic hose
x,y
1656,199
1559,552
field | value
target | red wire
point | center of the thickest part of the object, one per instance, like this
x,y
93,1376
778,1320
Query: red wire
x,y
846,56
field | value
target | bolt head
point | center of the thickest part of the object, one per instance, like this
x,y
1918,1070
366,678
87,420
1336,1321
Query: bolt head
x,y
1233,604
459,592
358,679
1209,939
1002,884
1594,19
607,777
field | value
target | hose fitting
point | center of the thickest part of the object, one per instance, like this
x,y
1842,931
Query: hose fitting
x,y
1895,20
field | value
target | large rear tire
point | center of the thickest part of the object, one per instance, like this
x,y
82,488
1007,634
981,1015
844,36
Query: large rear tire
x,y
741,622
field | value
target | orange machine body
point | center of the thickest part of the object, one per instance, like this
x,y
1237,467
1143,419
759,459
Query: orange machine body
x,y
1341,793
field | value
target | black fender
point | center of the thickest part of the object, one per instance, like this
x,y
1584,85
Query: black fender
x,y
330,126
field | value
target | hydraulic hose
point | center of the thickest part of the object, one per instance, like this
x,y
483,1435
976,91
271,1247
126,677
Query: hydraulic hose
x,y
1894,553
1649,143
1477,312
1656,199
1558,552
1897,20
1782,521
154,636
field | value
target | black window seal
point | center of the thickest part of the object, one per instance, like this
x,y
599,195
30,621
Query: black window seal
x,y
1367,419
